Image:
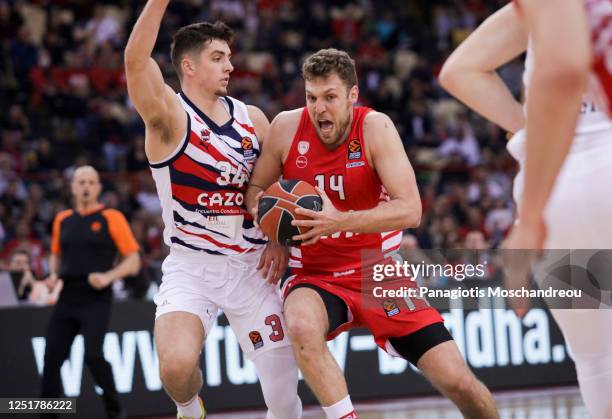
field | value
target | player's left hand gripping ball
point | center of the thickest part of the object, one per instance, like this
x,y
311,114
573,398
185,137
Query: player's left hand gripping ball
x,y
324,223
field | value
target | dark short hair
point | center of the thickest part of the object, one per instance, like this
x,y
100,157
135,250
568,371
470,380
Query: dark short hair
x,y
195,37
20,251
326,62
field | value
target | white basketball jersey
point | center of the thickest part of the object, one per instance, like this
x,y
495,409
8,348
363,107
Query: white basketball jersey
x,y
202,184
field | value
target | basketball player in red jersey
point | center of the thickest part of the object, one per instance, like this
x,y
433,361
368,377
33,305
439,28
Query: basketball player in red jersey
x,y
355,157
202,145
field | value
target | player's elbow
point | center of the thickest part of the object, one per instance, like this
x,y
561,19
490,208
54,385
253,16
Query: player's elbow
x,y
451,74
132,60
411,215
448,75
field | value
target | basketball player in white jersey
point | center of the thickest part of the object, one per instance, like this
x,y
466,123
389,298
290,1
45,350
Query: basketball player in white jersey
x,y
563,203
202,146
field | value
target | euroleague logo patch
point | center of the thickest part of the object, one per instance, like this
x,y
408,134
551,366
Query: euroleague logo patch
x,y
354,149
256,339
247,147
390,307
96,226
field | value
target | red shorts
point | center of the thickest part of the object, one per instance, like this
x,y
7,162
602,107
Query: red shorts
x,y
600,15
383,317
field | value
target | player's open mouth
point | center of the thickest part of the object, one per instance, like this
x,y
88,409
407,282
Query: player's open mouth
x,y
325,126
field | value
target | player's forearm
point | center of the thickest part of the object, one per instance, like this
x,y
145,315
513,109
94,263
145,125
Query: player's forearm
x,y
129,265
397,214
561,53
487,94
553,107
144,34
470,75
250,197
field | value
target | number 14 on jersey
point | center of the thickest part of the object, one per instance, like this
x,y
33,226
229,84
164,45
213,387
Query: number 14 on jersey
x,y
335,183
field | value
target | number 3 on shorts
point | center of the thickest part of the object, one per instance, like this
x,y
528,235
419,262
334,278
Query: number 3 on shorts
x,y
277,328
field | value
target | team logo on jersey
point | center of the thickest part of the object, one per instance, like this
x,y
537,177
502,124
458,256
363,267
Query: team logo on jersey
x,y
247,147
256,339
390,307
354,149
301,162
303,147
96,226
204,137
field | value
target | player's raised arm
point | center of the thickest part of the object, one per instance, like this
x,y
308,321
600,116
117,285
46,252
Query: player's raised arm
x,y
156,102
470,75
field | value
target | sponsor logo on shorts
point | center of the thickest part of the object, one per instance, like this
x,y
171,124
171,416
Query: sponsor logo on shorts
x,y
391,308
343,273
247,147
301,162
96,226
256,339
354,149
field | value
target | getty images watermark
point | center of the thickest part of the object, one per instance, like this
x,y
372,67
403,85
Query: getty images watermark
x,y
564,279
459,272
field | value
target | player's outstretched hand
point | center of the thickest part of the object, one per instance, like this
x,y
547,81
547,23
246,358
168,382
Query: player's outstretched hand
x,y
273,262
255,210
323,223
522,247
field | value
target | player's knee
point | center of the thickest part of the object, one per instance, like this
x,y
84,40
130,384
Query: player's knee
x,y
177,367
303,333
460,386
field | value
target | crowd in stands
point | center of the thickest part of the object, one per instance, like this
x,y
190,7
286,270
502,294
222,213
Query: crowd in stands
x,y
64,103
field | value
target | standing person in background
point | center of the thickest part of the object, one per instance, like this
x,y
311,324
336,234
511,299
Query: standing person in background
x,y
27,286
84,247
563,188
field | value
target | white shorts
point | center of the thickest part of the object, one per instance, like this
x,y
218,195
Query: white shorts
x,y
578,214
202,284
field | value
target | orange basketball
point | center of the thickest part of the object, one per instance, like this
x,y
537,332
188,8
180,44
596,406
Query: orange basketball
x,y
277,209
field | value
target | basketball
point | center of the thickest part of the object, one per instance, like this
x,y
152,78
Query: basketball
x,y
277,209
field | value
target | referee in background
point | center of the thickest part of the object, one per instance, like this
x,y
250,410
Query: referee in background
x,y
84,245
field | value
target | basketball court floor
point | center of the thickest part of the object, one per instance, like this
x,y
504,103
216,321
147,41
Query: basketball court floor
x,y
554,403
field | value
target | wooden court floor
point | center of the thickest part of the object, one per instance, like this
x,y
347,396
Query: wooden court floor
x,y
554,403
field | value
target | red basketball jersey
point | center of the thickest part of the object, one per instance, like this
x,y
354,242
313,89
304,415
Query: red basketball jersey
x,y
351,184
